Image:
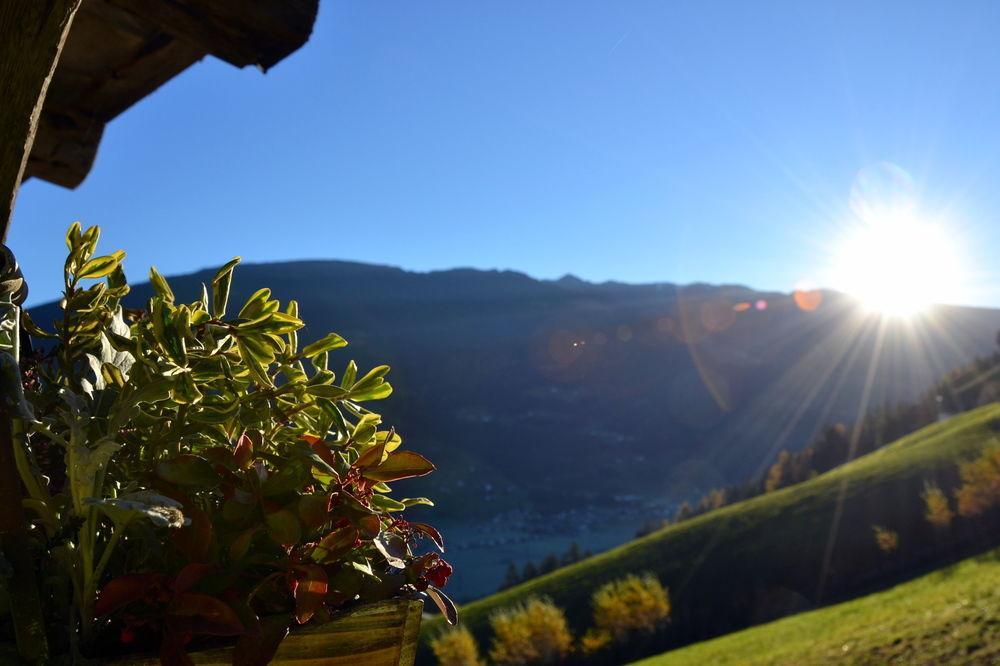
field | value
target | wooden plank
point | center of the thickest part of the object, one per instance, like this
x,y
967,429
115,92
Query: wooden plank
x,y
65,146
119,51
111,60
241,32
32,35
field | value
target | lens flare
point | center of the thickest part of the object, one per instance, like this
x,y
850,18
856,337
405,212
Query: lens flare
x,y
894,260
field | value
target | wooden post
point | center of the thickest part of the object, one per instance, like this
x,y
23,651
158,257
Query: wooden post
x,y
32,33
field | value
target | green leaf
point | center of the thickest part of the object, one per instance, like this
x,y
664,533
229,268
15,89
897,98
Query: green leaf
x,y
347,381
254,306
377,392
416,501
160,285
328,342
257,369
372,386
99,267
162,511
283,526
73,236
386,503
328,391
188,470
221,284
292,310
153,391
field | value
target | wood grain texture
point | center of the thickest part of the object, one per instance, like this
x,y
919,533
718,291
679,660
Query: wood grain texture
x,y
120,51
381,634
32,33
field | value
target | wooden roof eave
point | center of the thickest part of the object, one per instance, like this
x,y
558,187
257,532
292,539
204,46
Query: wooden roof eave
x,y
119,51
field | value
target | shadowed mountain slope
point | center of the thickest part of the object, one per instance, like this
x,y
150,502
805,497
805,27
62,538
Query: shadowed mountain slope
x,y
546,403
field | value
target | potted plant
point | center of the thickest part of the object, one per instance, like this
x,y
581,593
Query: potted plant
x,y
199,483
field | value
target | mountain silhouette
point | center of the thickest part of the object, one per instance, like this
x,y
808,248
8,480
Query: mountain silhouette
x,y
543,398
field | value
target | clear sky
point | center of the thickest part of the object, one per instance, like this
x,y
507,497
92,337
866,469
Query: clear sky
x,y
637,141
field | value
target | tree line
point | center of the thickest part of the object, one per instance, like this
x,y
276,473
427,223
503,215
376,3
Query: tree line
x,y
962,389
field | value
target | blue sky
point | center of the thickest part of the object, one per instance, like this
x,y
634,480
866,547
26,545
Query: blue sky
x,y
638,141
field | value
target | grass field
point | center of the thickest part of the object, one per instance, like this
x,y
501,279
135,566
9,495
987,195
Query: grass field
x,y
950,616
786,551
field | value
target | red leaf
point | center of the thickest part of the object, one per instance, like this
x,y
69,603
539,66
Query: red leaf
x,y
243,454
204,614
444,604
124,590
370,526
194,540
400,465
309,588
431,532
172,652
259,648
191,574
241,544
371,457
335,543
320,447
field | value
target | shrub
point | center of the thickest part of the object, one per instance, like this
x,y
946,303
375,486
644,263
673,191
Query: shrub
x,y
626,607
533,632
456,647
887,540
980,487
937,508
194,473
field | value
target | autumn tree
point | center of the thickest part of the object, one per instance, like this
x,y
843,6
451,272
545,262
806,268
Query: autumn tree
x,y
937,509
532,632
980,485
633,605
456,647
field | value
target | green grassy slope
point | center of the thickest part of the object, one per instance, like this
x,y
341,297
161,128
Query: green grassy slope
x,y
764,558
950,616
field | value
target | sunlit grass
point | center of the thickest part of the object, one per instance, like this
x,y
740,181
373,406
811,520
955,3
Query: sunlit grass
x,y
709,559
950,616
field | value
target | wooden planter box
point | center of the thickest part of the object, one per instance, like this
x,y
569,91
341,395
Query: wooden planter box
x,y
381,634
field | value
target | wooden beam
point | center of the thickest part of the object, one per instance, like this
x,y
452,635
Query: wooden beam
x,y
65,146
32,33
241,32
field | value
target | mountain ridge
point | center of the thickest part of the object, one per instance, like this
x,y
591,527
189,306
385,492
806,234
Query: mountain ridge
x,y
538,400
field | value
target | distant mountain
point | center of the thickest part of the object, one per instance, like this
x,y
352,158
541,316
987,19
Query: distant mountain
x,y
544,402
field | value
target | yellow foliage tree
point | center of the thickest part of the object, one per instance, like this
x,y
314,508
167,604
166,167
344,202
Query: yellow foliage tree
x,y
533,632
887,540
937,508
456,647
626,607
980,489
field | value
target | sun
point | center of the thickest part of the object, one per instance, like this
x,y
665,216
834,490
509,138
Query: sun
x,y
898,264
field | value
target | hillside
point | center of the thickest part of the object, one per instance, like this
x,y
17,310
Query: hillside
x,y
656,393
959,604
766,557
